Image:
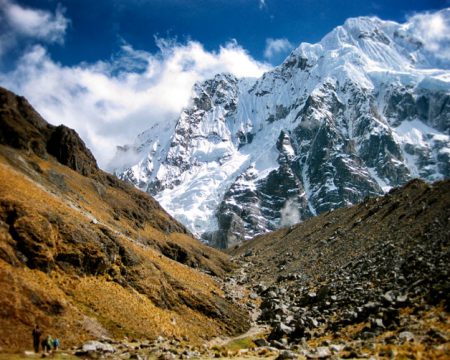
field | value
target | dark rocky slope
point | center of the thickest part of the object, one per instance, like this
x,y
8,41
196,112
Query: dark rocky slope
x,y
86,255
371,279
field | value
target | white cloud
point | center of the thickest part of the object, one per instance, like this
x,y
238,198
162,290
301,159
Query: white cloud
x,y
289,214
433,29
36,23
109,103
18,23
262,4
276,47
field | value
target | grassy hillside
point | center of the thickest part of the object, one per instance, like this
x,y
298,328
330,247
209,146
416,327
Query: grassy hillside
x,y
87,256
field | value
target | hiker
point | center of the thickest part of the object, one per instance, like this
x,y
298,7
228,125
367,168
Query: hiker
x,y
44,345
47,344
55,344
36,337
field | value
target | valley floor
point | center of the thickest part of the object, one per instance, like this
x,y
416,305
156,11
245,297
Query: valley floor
x,y
422,334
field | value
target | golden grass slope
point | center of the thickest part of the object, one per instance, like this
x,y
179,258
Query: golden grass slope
x,y
87,258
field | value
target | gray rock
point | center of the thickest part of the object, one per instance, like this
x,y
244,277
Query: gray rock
x,y
160,339
378,323
167,356
406,336
287,354
279,331
321,352
389,297
335,348
136,357
97,346
279,345
260,342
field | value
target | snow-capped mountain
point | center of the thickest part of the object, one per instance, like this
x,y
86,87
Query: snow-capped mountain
x,y
364,110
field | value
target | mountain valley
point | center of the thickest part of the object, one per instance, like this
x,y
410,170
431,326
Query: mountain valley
x,y
101,265
303,214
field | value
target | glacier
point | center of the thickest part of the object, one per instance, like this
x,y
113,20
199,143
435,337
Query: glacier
x,y
364,110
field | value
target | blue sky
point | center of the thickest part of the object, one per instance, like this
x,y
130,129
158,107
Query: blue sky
x,y
96,29
112,68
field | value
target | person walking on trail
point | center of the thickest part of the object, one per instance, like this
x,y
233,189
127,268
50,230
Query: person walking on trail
x,y
36,338
44,345
47,344
55,344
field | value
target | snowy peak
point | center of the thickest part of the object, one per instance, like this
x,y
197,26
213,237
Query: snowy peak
x,y
219,91
385,44
363,47
364,110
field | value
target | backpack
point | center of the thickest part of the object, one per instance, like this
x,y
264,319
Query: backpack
x,y
49,342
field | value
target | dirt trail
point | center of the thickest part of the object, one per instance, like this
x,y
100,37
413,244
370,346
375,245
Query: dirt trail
x,y
236,288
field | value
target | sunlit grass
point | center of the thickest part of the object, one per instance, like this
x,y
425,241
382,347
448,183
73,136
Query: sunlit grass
x,y
150,303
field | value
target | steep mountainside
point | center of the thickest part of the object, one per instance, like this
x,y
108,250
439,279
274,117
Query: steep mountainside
x,y
372,279
364,110
86,255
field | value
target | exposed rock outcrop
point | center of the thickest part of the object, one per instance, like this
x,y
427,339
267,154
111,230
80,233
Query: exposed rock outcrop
x,y
23,128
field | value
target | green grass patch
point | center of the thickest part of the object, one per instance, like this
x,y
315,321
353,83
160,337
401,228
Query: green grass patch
x,y
244,343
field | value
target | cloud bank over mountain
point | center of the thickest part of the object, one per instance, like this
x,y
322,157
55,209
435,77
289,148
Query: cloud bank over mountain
x,y
111,100
108,102
434,31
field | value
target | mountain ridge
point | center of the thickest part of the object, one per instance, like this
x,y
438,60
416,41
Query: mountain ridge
x,y
361,112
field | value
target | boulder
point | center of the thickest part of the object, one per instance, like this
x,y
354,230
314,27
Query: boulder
x,y
97,346
279,331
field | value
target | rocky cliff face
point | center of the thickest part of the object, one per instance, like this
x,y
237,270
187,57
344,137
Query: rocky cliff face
x,y
23,128
364,110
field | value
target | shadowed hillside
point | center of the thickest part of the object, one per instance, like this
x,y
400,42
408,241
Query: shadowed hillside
x,y
86,255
